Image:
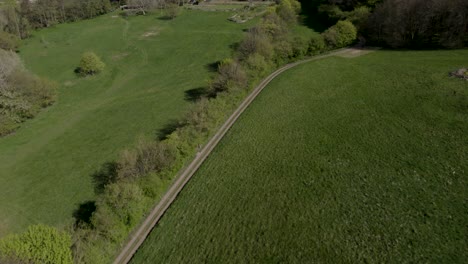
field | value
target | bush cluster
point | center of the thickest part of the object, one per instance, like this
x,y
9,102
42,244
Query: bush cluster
x,y
343,34
90,64
149,156
22,94
39,244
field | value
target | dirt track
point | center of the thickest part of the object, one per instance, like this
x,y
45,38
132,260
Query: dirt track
x,y
138,237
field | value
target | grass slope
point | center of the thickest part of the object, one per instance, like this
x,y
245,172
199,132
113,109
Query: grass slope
x,y
337,161
46,167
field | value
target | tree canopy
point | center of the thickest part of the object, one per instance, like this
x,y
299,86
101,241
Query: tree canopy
x,y
39,244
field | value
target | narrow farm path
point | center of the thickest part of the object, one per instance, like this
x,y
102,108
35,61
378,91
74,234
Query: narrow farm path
x,y
138,237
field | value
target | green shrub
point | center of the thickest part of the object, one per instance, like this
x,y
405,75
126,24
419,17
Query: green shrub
x,y
149,156
288,10
256,41
90,64
316,45
125,200
300,47
340,35
359,16
8,41
39,244
257,65
273,26
230,76
172,10
283,52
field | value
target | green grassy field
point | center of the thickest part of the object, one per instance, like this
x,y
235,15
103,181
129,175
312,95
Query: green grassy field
x,y
361,160
46,167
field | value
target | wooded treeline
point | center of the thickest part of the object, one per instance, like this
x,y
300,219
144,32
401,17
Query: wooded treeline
x,y
400,23
19,18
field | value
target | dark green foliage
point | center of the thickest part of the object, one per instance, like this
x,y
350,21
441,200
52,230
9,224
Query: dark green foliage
x,y
39,244
420,23
394,23
300,47
316,44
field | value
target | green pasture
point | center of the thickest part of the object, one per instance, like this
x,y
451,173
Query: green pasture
x,y
341,160
46,166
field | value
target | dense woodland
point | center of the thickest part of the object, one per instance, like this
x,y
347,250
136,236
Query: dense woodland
x,y
393,23
400,23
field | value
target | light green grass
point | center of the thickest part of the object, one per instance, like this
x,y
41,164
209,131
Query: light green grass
x,y
46,166
360,160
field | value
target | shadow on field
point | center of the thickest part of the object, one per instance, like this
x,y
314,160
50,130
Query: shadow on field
x,y
105,175
213,67
234,46
312,18
196,94
165,18
168,129
84,212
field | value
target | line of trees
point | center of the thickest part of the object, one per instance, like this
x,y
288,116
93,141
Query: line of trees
x,y
400,23
144,6
20,17
420,23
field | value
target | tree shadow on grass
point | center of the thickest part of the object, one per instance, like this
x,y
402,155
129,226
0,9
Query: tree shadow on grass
x,y
234,46
84,213
168,129
196,94
213,67
105,175
165,18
